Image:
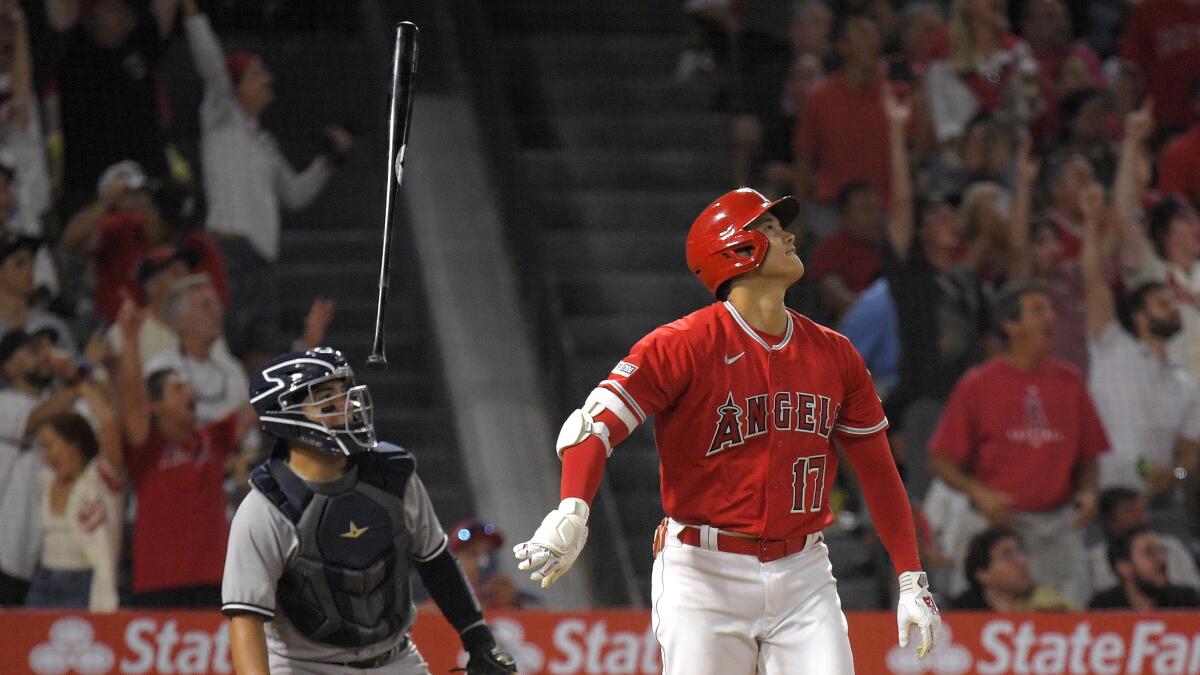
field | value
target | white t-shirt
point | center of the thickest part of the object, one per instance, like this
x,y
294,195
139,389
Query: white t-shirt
x,y
1146,405
219,382
88,533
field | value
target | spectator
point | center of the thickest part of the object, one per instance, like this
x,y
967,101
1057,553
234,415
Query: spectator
x,y
176,467
923,37
988,70
1179,163
247,179
847,262
1139,560
27,399
1162,57
81,508
939,301
156,274
842,134
872,327
1066,177
1121,510
775,40
983,153
1085,132
1149,404
477,544
108,86
21,141
117,231
777,157
1020,438
16,288
997,570
985,213
1168,251
1063,280
1046,28
12,222
217,381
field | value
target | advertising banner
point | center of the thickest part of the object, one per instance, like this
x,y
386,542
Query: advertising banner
x,y
614,642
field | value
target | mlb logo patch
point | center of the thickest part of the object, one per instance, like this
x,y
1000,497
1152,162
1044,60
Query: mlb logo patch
x,y
624,368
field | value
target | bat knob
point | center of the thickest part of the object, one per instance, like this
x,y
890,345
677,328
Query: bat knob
x,y
377,362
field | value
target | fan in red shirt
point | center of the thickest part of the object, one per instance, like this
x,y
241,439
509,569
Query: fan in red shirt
x,y
128,220
848,261
1020,437
177,469
1179,163
748,399
841,136
1162,43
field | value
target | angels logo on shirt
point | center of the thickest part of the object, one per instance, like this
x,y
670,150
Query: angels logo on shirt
x,y
800,412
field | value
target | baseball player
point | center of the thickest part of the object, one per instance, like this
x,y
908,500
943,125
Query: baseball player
x,y
748,398
317,571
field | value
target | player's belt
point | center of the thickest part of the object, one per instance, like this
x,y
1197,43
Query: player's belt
x,y
375,661
765,550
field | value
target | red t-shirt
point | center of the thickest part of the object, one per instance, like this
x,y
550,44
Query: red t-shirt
x,y
743,421
120,249
857,262
844,132
1021,433
180,533
1179,165
1163,38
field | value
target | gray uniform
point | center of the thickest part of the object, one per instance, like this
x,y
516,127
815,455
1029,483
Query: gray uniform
x,y
261,542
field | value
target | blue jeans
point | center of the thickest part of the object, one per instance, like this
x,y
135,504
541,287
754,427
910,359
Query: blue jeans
x,y
59,588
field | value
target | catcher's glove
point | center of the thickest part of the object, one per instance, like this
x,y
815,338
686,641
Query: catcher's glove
x,y
491,662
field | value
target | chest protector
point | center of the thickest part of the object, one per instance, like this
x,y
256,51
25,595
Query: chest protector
x,y
347,582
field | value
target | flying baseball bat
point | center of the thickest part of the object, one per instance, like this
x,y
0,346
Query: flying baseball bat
x,y
404,71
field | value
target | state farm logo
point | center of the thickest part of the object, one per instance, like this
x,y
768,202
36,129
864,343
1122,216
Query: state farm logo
x,y
946,658
71,647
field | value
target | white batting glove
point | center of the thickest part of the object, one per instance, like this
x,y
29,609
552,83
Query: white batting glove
x,y
556,543
917,607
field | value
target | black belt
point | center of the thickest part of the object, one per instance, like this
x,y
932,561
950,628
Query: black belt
x,y
375,661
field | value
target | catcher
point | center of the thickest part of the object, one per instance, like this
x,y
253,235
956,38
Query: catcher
x,y
317,570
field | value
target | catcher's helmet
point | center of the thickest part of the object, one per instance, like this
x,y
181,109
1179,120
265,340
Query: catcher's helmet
x,y
719,232
283,388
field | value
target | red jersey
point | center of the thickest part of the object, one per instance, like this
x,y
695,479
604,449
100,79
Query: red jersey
x,y
1179,165
180,533
1021,433
743,421
1163,38
858,262
120,248
844,131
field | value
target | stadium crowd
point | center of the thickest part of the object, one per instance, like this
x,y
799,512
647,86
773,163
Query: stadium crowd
x,y
1000,210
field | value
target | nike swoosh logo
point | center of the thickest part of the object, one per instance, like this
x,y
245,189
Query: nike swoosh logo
x,y
730,359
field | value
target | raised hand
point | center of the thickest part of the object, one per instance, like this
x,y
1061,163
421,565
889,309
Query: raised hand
x,y
898,112
1139,124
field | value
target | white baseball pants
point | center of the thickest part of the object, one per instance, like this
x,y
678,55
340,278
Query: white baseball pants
x,y
729,614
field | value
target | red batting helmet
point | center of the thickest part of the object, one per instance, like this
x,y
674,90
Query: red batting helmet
x,y
719,232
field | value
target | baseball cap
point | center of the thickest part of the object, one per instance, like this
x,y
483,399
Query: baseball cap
x,y
160,258
11,342
10,243
238,62
467,531
133,174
